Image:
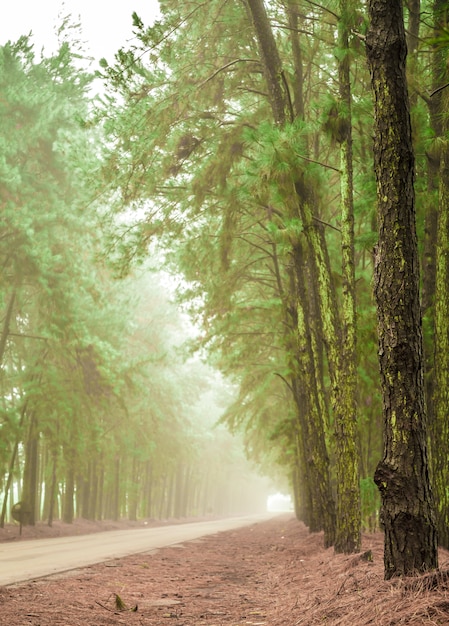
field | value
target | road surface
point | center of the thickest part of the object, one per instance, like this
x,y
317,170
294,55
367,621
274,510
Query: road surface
x,y
31,559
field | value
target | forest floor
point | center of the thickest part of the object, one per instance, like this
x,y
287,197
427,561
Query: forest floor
x,y
273,573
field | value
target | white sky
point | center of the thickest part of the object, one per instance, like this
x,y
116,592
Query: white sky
x,y
106,25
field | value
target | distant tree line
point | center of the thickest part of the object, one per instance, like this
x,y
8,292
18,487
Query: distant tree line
x,y
100,416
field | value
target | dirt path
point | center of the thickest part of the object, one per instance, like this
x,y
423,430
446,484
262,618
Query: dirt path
x,y
24,560
273,573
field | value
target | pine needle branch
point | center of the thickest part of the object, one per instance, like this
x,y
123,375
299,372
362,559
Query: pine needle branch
x,y
438,89
284,379
323,8
225,67
317,219
326,165
104,607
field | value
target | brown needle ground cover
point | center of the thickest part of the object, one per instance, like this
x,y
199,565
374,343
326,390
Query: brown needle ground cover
x,y
273,573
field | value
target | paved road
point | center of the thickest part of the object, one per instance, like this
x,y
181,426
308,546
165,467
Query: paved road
x,y
31,559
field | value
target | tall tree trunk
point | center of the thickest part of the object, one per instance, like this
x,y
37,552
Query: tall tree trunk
x,y
163,480
53,487
84,486
298,491
346,436
116,503
30,471
187,492
69,493
134,493
436,116
308,434
11,466
170,495
300,200
441,303
93,489
149,479
6,323
8,483
70,457
316,458
101,489
271,62
438,251
403,474
441,366
178,487
342,377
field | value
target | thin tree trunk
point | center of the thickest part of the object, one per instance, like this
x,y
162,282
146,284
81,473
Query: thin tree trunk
x,y
69,494
133,491
11,466
310,408
178,487
149,480
440,430
170,496
438,241
441,368
347,456
116,491
6,323
414,9
271,62
30,472
53,489
93,491
162,495
101,480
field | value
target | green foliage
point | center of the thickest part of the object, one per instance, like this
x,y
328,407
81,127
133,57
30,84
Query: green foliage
x,y
91,362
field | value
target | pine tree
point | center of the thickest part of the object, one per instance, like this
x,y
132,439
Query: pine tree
x,y
403,474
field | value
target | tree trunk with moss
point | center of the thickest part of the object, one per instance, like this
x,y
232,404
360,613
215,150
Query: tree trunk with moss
x,y
438,250
301,202
310,406
403,473
347,458
441,367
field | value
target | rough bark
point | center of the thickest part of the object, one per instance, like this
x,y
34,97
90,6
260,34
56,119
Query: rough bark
x,y
435,107
438,242
315,450
301,202
441,368
298,87
348,535
403,474
271,62
414,9
347,458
